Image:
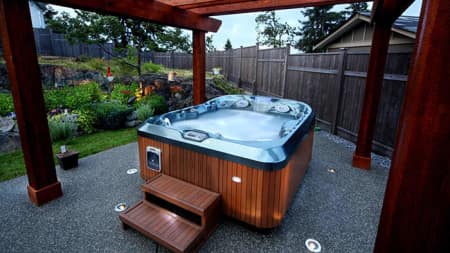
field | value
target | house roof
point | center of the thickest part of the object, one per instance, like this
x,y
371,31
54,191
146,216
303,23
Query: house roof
x,y
405,25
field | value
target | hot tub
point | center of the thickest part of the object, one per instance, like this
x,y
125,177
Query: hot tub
x,y
254,150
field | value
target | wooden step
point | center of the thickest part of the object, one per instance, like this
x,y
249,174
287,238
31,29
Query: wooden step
x,y
164,227
174,213
183,194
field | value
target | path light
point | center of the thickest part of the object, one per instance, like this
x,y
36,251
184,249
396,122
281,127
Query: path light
x,y
236,179
313,245
120,207
131,171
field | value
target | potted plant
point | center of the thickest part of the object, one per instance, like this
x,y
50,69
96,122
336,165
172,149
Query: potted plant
x,y
67,159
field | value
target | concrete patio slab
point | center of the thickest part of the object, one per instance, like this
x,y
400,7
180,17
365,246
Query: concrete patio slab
x,y
341,209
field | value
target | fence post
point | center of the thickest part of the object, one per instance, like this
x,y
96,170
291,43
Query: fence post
x,y
285,69
172,60
240,67
337,98
255,84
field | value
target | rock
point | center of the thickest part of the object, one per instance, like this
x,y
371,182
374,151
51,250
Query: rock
x,y
131,123
132,116
9,142
178,95
6,125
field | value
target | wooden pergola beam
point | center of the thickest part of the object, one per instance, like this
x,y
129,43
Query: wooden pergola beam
x,y
389,10
198,66
416,210
25,81
154,11
232,7
374,82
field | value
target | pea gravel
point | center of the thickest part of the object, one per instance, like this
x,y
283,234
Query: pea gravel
x,y
341,209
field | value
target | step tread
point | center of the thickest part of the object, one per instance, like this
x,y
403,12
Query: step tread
x,y
161,225
184,194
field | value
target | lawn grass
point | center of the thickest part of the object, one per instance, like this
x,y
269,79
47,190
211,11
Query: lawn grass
x,y
12,164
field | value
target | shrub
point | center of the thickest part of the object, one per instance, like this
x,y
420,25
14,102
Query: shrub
x,y
72,97
118,94
110,115
96,64
86,120
150,67
144,112
6,104
221,83
61,128
157,102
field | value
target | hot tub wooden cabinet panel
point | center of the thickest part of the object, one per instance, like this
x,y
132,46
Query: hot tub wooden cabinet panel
x,y
261,198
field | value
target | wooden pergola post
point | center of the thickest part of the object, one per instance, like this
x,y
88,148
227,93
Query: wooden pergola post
x,y
26,86
416,211
372,94
198,65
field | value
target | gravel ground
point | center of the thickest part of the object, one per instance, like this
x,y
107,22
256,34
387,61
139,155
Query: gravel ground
x,y
341,209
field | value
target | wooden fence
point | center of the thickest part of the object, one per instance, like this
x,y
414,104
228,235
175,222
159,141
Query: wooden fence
x,y
332,83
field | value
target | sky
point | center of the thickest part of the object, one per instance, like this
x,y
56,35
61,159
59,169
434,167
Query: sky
x,y
241,28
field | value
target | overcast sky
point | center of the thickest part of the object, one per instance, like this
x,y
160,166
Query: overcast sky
x,y
240,28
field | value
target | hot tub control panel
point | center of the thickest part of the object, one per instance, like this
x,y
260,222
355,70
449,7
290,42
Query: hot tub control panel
x,y
154,158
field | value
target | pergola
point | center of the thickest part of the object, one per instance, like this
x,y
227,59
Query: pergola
x,y
415,215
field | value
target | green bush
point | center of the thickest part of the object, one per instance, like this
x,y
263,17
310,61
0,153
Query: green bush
x,y
96,64
6,104
86,120
157,102
61,128
118,95
221,83
72,97
110,115
144,112
150,67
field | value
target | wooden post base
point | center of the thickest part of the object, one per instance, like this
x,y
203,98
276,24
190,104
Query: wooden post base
x,y
361,162
45,194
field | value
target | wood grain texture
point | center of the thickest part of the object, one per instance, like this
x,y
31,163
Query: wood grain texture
x,y
26,87
372,93
198,61
154,11
173,232
261,199
244,6
415,215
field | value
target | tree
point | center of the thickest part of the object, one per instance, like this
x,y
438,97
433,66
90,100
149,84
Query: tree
x,y
49,13
228,45
320,22
355,8
91,28
271,32
209,44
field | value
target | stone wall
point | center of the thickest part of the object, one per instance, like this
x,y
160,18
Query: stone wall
x,y
56,76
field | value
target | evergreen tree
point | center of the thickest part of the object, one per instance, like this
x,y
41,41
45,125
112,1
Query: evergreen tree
x,y
355,8
228,45
209,44
271,32
320,22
